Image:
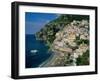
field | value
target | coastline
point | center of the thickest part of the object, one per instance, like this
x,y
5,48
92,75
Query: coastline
x,y
49,61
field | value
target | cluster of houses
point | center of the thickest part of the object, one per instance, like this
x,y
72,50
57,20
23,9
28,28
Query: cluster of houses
x,y
65,39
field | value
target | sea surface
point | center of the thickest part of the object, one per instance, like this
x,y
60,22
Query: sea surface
x,y
36,51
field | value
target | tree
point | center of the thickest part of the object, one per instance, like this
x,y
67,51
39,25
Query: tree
x,y
84,59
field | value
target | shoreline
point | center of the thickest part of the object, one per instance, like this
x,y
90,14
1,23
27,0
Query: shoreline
x,y
49,61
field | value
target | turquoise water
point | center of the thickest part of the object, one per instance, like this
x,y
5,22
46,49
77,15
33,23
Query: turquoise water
x,y
36,52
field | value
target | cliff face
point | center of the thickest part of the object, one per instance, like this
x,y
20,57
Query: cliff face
x,y
68,37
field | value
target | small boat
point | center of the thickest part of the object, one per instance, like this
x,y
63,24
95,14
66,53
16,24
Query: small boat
x,y
34,51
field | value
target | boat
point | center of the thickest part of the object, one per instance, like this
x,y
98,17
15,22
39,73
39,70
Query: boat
x,y
34,51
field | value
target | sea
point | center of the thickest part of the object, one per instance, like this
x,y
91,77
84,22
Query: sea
x,y
36,51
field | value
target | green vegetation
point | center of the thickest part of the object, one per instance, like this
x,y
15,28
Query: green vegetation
x,y
84,59
80,41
